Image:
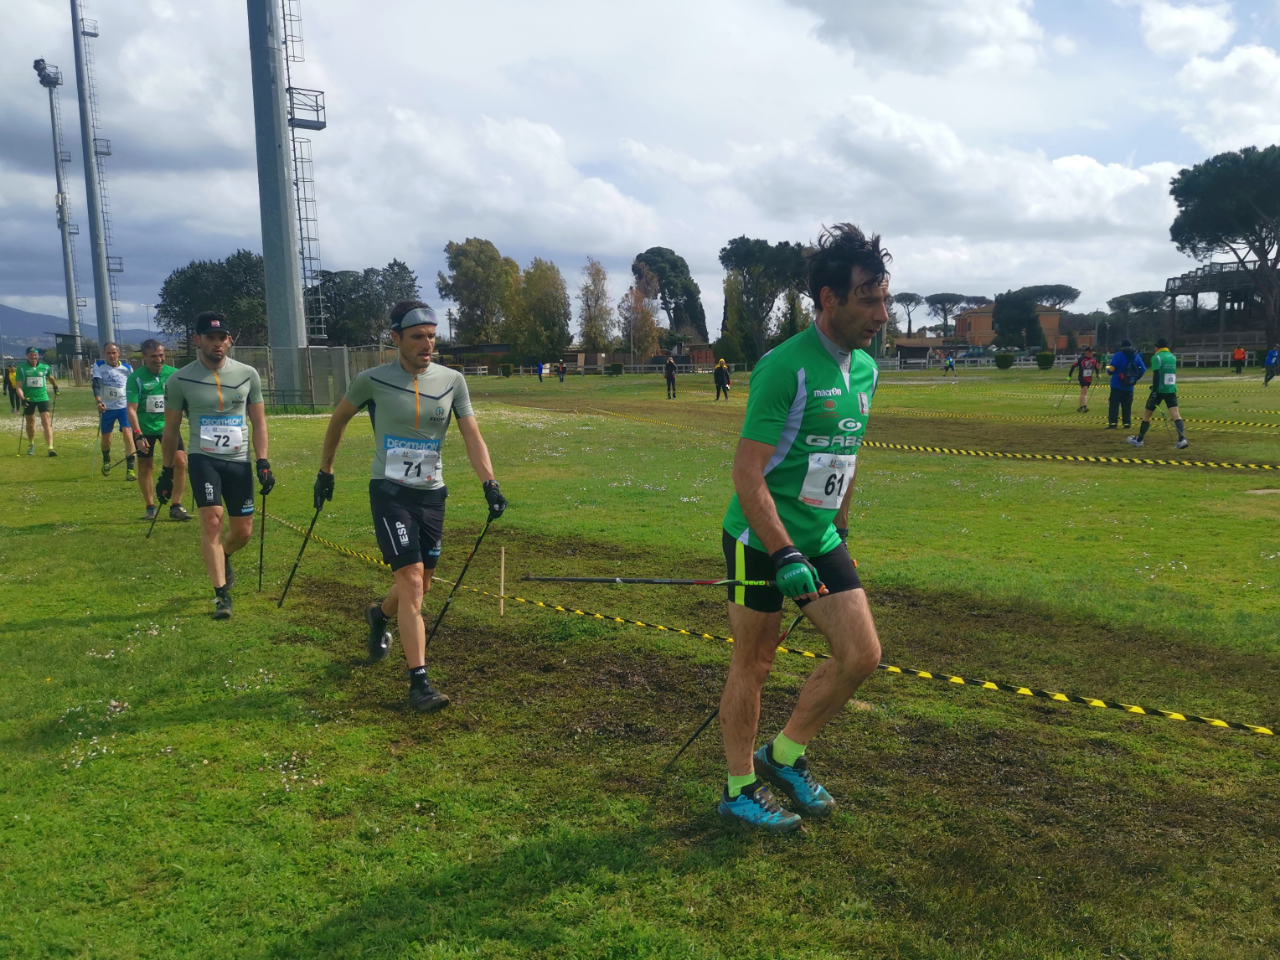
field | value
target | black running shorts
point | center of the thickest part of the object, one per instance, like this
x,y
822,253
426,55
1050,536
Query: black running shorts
x,y
215,481
153,445
29,407
409,524
1155,399
836,570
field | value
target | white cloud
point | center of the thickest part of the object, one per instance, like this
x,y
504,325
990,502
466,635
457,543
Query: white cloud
x,y
1239,96
933,35
1185,31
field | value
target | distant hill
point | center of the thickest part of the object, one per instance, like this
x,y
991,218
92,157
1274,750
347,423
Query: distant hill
x,y
20,329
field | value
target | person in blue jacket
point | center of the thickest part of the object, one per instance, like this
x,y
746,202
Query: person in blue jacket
x,y
1272,361
1126,369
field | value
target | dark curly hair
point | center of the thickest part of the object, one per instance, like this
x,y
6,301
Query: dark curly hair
x,y
839,249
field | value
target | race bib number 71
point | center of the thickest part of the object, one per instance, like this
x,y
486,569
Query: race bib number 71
x,y
828,478
415,463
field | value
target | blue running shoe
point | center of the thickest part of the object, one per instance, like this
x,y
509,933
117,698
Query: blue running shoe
x,y
796,782
756,807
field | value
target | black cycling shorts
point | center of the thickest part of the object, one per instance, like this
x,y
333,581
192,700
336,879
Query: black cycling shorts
x,y
1155,399
836,570
214,482
153,444
29,407
409,524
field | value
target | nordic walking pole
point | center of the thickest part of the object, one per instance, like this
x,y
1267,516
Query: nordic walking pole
x,y
456,584
153,521
1062,396
305,540
716,712
653,581
262,540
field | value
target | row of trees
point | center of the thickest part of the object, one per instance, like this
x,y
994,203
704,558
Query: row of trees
x,y
356,302
496,302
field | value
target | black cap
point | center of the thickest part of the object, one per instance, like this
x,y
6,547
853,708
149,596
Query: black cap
x,y
210,322
1126,342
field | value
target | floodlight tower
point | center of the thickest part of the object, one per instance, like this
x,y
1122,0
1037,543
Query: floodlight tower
x,y
290,249
96,149
51,78
306,112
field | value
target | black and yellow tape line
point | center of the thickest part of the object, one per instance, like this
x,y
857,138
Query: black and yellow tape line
x,y
889,669
950,451
1074,458
1082,419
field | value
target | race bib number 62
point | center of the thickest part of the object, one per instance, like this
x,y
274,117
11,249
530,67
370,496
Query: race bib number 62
x,y
828,478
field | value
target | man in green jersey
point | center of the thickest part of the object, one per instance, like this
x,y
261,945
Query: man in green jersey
x,y
1164,389
793,473
34,378
218,394
410,401
144,392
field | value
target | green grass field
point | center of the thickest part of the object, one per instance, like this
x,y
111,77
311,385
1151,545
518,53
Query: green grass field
x,y
179,788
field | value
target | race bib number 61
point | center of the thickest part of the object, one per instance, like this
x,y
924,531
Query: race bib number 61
x,y
828,478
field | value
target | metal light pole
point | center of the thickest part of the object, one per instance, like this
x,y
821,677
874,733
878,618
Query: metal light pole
x,y
148,307
93,194
286,331
51,78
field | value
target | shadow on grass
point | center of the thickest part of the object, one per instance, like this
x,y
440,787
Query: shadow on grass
x,y
513,902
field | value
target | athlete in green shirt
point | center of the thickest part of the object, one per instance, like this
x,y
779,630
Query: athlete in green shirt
x,y
411,401
144,391
793,475
1164,389
218,395
34,378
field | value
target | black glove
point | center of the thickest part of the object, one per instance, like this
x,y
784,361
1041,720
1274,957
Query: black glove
x,y
843,534
497,502
265,477
323,490
164,486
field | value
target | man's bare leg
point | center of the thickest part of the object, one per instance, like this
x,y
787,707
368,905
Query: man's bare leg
x,y
755,644
845,620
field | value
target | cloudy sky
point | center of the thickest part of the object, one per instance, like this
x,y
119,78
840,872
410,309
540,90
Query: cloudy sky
x,y
993,142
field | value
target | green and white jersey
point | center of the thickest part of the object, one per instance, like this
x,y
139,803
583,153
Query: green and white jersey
x,y
215,402
410,416
34,381
1164,372
810,400
146,389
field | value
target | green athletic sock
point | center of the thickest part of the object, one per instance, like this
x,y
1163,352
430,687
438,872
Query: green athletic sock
x,y
1142,430
1182,435
737,783
786,751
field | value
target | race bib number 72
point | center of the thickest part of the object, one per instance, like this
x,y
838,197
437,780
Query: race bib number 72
x,y
828,478
221,435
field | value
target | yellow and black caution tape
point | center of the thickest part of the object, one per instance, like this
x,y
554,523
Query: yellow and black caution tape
x,y
1064,418
886,667
950,451
914,448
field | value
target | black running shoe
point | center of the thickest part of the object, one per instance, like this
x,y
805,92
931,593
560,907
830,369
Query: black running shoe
x,y
178,512
227,572
427,699
53,453
379,644
222,608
